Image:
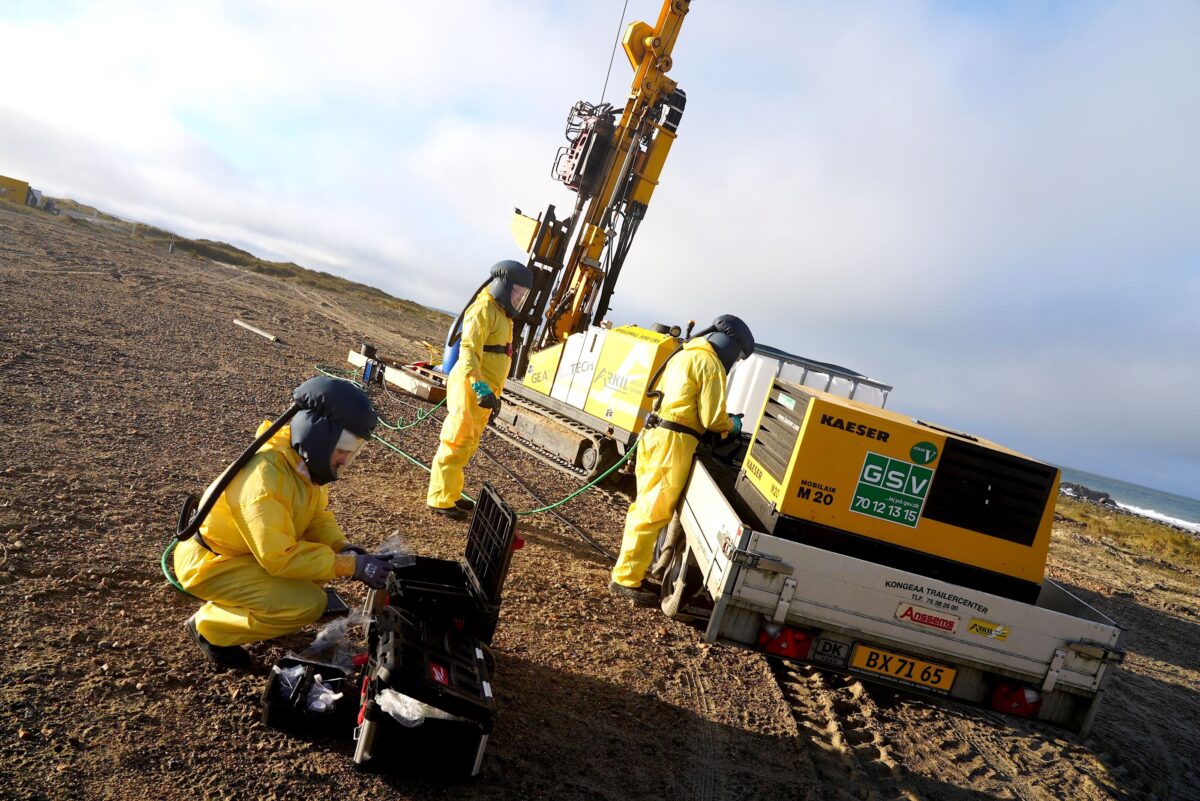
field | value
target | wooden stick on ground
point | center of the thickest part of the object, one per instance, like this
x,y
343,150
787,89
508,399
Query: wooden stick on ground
x,y
258,331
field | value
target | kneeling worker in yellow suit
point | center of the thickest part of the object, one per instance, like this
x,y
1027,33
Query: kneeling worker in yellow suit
x,y
269,543
693,402
475,381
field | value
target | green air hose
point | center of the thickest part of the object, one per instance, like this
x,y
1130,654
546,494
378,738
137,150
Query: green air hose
x,y
337,372
163,563
540,509
422,416
586,486
334,372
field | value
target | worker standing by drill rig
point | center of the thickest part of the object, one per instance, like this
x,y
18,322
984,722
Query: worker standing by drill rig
x,y
692,403
475,381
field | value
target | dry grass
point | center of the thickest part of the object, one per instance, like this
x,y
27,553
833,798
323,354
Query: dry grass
x,y
1134,533
228,254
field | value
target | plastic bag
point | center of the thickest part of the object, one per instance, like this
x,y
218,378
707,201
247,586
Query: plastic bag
x,y
339,639
289,679
321,696
409,711
401,555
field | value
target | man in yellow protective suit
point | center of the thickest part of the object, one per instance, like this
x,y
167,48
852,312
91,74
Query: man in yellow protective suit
x,y
269,544
693,402
475,381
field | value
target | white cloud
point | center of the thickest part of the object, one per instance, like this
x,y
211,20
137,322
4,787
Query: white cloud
x,y
986,207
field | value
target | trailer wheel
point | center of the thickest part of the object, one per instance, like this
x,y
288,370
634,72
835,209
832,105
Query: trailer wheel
x,y
682,585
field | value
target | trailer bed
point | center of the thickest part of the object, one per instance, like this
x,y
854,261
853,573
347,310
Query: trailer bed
x,y
889,626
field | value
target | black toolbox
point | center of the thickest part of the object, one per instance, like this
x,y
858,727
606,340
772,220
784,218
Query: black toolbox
x,y
441,675
426,701
467,592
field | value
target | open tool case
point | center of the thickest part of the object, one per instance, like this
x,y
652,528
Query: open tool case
x,y
426,694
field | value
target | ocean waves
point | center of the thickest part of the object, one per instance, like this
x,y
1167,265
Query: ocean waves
x,y
1160,517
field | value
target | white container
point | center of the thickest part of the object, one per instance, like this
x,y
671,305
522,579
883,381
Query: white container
x,y
585,366
566,367
750,381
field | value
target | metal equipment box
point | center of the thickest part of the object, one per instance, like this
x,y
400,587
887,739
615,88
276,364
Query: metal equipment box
x,y
629,359
884,487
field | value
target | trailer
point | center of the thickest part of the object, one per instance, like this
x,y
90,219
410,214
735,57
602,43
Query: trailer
x,y
1047,660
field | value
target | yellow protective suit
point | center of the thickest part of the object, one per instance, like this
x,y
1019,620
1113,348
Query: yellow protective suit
x,y
484,323
275,544
693,387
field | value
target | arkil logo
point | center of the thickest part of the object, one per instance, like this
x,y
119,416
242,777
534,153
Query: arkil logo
x,y
619,382
986,628
923,617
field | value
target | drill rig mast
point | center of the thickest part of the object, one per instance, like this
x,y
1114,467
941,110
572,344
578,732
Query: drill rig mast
x,y
613,165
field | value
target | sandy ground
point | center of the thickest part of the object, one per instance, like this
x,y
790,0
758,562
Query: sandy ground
x,y
124,385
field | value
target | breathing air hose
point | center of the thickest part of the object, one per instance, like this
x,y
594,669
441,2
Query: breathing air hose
x,y
421,417
528,512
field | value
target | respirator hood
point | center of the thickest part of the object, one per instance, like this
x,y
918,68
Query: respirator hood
x,y
506,275
730,338
329,407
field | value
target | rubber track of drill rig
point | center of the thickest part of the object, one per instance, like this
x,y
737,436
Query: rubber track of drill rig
x,y
603,445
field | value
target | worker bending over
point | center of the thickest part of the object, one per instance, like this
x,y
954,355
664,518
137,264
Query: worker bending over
x,y
475,382
692,403
269,544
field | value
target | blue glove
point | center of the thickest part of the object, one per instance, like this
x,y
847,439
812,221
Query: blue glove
x,y
372,570
737,425
487,399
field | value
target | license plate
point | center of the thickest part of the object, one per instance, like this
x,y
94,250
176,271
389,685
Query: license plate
x,y
902,669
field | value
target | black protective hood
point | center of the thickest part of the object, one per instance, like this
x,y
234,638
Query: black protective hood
x,y
730,338
726,348
328,406
505,275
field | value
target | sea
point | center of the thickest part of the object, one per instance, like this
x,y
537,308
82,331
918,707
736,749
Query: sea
x,y
1163,506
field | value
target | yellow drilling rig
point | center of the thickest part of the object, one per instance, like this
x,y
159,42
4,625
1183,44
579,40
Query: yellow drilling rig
x,y
576,395
577,392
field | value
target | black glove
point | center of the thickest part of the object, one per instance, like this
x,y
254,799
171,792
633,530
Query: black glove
x,y
486,399
372,570
355,549
490,401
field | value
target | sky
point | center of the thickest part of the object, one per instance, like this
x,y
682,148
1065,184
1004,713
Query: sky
x,y
993,207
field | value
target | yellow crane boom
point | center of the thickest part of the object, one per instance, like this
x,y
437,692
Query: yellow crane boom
x,y
613,165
